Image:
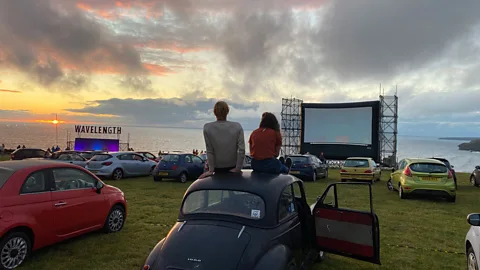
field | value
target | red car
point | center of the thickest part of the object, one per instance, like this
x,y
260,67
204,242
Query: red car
x,y
45,202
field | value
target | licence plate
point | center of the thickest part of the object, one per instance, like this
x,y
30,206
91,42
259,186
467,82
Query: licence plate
x,y
163,173
294,172
430,178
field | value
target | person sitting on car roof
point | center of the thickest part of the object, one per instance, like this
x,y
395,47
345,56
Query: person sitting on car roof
x,y
224,141
265,143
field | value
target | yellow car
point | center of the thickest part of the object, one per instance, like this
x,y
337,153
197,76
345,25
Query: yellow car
x,y
360,168
422,177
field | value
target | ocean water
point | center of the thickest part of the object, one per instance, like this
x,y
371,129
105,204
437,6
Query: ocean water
x,y
171,139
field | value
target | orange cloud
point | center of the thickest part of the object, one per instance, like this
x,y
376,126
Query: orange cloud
x,y
157,69
109,15
10,91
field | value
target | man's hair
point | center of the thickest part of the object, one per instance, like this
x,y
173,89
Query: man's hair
x,y
221,110
269,120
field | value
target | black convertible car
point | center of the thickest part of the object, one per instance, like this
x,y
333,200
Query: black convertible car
x,y
263,222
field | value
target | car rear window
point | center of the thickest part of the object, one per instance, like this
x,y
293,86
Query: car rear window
x,y
86,155
356,163
4,175
224,202
100,157
299,159
428,168
171,158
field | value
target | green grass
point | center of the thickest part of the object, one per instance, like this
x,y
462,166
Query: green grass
x,y
4,157
153,208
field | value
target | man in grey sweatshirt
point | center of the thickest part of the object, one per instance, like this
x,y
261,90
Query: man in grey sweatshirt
x,y
224,141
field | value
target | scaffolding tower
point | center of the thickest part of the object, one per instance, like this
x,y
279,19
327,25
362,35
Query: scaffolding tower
x,y
388,129
291,125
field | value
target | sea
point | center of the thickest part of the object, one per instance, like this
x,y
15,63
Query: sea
x,y
154,139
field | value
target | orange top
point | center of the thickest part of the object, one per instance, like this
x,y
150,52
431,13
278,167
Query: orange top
x,y
263,143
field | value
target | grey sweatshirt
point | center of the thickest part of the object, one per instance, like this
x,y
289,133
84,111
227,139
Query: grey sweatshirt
x,y
225,144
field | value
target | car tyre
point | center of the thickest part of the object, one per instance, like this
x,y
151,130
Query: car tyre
x,y
314,176
157,179
115,220
473,181
471,259
15,248
183,177
390,185
400,192
117,174
452,199
326,174
151,170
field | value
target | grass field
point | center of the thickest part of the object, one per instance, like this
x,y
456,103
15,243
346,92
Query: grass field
x,y
153,207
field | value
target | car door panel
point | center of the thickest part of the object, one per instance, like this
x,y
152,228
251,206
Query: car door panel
x,y
346,232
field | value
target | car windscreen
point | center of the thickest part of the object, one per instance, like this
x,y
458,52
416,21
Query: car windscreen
x,y
100,157
425,167
4,175
356,163
224,202
299,159
171,158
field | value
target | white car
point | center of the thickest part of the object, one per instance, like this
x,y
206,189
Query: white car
x,y
472,242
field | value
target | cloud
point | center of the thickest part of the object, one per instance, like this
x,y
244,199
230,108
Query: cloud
x,y
10,91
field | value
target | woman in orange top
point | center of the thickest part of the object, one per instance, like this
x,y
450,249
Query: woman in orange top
x,y
265,143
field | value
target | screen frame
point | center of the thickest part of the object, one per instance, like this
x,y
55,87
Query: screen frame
x,y
336,151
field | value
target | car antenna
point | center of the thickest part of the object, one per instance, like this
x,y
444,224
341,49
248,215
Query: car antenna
x,y
241,231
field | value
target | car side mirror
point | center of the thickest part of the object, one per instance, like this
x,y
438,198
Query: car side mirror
x,y
473,219
98,187
452,166
477,167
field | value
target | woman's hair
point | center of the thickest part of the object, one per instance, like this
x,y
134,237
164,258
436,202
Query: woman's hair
x,y
221,110
269,120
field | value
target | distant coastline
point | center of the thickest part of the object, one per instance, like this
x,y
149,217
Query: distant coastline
x,y
459,138
472,146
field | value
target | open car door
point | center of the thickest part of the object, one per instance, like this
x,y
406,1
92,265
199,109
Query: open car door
x,y
346,232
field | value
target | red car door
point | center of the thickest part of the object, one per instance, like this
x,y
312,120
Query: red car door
x,y
346,232
78,207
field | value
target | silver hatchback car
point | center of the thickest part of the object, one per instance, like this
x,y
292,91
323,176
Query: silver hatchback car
x,y
120,164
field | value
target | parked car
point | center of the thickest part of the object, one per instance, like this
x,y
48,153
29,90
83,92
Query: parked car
x,y
472,242
247,163
475,177
149,155
24,153
308,167
360,169
260,221
89,154
120,164
45,202
415,176
179,166
69,157
450,167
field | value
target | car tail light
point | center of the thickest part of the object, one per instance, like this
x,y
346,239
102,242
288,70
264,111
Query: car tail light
x,y
12,156
407,172
343,170
146,267
368,171
174,167
108,163
450,175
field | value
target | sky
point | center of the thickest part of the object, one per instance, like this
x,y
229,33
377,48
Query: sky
x,y
166,62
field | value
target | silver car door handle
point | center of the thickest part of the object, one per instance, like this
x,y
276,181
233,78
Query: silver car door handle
x,y
60,204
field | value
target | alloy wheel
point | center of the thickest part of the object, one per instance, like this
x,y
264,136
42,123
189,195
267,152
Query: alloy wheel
x,y
472,180
314,176
390,185
13,253
117,174
472,261
115,220
183,178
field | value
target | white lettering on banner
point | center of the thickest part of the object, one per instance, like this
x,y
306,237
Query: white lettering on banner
x,y
98,129
349,232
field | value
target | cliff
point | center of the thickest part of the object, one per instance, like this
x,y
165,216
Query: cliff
x,y
473,145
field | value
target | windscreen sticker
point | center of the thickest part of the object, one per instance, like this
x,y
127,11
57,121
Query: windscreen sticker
x,y
255,213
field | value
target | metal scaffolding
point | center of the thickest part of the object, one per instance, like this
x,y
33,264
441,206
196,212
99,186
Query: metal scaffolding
x,y
291,125
388,129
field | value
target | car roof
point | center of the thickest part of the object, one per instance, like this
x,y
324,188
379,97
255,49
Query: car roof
x,y
439,158
17,165
21,149
268,186
369,158
423,160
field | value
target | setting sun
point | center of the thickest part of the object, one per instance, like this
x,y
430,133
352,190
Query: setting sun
x,y
55,122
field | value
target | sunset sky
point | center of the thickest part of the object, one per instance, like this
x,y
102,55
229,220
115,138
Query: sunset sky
x,y
165,62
